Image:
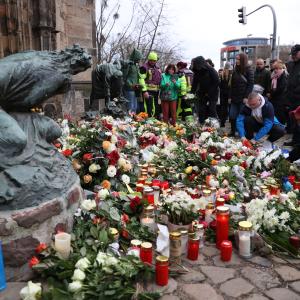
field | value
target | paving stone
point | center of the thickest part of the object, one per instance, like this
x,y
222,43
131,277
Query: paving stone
x,y
235,261
294,261
281,293
217,274
12,291
200,261
288,273
169,289
192,277
236,287
262,279
256,297
201,291
258,260
209,251
296,286
278,259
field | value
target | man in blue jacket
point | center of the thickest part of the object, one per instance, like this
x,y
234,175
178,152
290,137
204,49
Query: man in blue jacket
x,y
257,120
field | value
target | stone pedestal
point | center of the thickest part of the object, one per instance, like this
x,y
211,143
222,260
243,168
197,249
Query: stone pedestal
x,y
22,230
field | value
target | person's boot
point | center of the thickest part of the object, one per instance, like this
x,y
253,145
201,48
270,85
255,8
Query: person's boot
x,y
289,143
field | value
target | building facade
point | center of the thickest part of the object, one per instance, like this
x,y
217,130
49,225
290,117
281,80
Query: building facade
x,y
50,25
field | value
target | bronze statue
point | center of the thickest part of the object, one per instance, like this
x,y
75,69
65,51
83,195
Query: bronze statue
x,y
31,169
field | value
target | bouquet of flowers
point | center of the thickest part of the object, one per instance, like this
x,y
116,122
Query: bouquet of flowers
x,y
181,208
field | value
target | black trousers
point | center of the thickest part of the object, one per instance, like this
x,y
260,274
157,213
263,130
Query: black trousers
x,y
153,108
223,113
207,108
252,126
280,113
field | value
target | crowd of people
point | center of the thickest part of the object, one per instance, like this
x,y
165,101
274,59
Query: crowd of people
x,y
257,101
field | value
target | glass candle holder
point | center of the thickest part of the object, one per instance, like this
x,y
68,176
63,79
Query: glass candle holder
x,y
245,229
141,180
193,248
148,218
203,154
213,191
274,189
226,250
222,230
292,179
199,233
148,195
220,202
207,195
209,210
156,182
296,185
62,244
175,246
184,240
156,193
135,248
164,185
162,270
146,253
139,187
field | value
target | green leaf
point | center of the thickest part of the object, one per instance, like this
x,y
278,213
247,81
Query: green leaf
x,y
103,237
83,251
94,232
114,213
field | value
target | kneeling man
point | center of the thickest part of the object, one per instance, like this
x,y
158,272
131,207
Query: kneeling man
x,y
257,119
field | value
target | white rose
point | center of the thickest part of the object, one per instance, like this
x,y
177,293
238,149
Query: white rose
x,y
88,204
111,148
83,263
75,286
125,178
111,171
121,162
32,291
78,275
103,193
93,168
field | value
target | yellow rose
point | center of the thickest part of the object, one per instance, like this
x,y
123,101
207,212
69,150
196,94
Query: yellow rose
x,y
188,170
87,178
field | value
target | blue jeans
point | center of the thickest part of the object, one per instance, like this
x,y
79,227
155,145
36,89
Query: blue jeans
x,y
132,104
234,111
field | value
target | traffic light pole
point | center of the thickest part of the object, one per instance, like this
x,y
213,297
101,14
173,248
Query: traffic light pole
x,y
274,50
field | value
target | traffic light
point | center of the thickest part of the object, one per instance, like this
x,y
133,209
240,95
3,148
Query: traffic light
x,y
242,15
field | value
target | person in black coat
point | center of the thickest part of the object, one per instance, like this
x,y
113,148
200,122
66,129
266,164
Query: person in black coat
x,y
278,91
262,76
241,86
206,86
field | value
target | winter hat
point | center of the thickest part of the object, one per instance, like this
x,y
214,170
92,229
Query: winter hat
x,y
228,65
295,49
152,56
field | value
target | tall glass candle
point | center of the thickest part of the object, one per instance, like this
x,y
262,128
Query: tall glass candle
x,y
164,185
146,252
139,187
208,212
226,250
148,218
162,270
156,192
220,202
156,182
2,272
222,219
141,180
292,179
296,185
184,240
207,195
245,228
175,246
62,243
199,233
193,248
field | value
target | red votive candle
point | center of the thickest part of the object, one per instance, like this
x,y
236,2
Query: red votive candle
x,y
193,248
203,155
274,190
139,187
162,270
220,202
156,182
296,185
222,219
295,241
146,253
150,199
226,250
141,180
164,185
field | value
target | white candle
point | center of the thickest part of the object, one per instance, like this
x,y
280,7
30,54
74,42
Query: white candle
x,y
62,244
149,222
245,245
208,215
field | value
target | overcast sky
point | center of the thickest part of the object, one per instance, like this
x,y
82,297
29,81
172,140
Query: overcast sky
x,y
203,26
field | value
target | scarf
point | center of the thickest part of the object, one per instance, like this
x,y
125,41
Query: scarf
x,y
274,78
256,112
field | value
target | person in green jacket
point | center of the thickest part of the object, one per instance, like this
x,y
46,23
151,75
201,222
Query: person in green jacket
x,y
130,70
170,86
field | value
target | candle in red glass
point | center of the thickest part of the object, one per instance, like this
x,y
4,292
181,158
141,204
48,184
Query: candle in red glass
x,y
193,248
141,180
274,190
150,199
156,182
222,219
226,250
220,202
146,253
139,187
203,154
297,185
292,179
162,270
295,241
164,185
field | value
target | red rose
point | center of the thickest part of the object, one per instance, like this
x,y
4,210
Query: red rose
x,y
125,218
125,233
57,145
107,125
87,156
67,152
244,165
121,142
33,261
40,248
113,157
228,155
134,203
